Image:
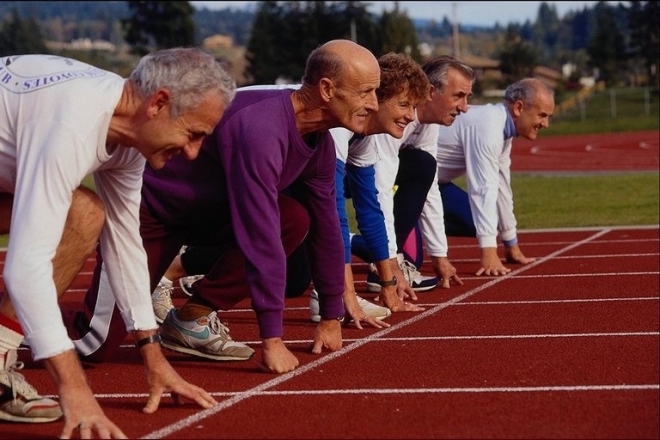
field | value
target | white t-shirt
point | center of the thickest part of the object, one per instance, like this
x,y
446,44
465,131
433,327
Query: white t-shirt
x,y
359,154
54,121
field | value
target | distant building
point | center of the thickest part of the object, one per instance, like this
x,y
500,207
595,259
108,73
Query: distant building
x,y
82,44
549,77
483,67
486,68
218,41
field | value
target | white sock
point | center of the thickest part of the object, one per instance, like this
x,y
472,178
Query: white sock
x,y
9,341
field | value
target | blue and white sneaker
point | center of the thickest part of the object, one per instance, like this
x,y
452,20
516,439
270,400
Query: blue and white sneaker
x,y
205,337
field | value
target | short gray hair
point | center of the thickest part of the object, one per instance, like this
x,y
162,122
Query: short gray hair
x,y
437,70
188,73
525,90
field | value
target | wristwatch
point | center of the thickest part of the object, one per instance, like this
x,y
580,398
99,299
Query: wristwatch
x,y
340,319
391,282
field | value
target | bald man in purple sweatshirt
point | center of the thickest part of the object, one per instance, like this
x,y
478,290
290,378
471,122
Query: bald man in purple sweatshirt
x,y
263,183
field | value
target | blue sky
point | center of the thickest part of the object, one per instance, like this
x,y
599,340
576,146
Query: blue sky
x,y
467,12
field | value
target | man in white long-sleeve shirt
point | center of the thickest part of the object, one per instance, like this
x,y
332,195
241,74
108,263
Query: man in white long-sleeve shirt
x,y
478,145
60,120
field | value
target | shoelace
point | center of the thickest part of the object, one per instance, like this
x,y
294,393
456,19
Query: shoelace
x,y
17,382
409,271
218,327
164,293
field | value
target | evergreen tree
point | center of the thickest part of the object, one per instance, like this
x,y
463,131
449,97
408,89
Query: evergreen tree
x,y
436,30
517,57
644,26
157,25
18,36
606,47
398,33
545,31
284,34
526,32
307,25
582,26
263,48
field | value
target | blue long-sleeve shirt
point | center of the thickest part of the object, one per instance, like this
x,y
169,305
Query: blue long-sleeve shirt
x,y
355,167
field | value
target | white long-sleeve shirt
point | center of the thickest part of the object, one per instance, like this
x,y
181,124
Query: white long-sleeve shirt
x,y
420,136
478,145
54,120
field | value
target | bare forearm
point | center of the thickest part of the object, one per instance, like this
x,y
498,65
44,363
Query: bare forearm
x,y
66,370
385,269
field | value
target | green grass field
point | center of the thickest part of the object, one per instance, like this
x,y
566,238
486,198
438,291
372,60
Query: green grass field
x,y
547,201
609,111
578,201
588,200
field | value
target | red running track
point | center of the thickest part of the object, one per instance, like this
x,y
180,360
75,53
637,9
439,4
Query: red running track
x,y
636,151
566,347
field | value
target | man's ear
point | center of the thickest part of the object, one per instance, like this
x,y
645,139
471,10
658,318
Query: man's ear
x,y
432,92
327,89
161,100
517,108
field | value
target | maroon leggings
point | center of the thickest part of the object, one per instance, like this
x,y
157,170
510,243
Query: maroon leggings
x,y
222,289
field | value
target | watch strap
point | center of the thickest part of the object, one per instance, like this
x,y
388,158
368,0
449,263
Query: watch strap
x,y
388,283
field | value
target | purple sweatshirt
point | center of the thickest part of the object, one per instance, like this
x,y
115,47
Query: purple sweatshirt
x,y
254,153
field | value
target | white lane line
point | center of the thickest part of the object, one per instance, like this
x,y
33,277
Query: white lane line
x,y
572,257
306,342
462,390
556,301
195,418
541,336
464,278
613,274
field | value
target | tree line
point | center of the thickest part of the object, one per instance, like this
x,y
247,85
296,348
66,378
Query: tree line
x,y
619,43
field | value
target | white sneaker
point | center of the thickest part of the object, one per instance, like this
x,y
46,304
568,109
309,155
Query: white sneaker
x,y
161,299
370,309
373,310
19,401
186,283
418,282
314,308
